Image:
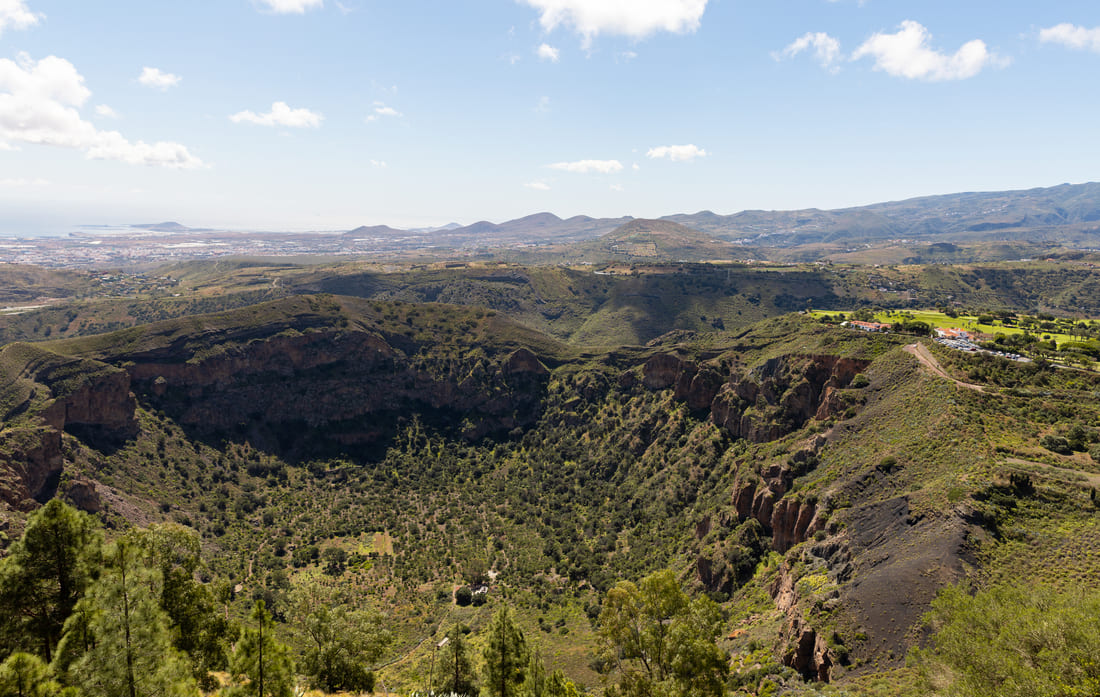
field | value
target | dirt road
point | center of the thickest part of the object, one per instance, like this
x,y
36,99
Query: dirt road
x,y
926,359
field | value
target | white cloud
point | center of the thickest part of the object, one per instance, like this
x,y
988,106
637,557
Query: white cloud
x,y
826,49
153,77
587,166
617,187
626,57
40,102
548,53
15,14
381,110
676,153
280,115
1072,36
538,185
292,6
106,112
907,54
380,164
634,18
543,105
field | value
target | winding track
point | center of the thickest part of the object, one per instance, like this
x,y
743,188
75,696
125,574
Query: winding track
x,y
926,359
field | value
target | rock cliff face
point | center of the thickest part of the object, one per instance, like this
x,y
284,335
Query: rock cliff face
x,y
776,398
30,465
85,398
788,521
103,404
346,386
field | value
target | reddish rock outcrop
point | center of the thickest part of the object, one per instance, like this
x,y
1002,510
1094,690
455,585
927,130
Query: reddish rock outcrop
x,y
82,493
30,465
102,402
338,385
661,371
807,651
772,400
793,522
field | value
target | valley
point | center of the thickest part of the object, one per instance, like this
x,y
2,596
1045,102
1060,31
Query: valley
x,y
431,445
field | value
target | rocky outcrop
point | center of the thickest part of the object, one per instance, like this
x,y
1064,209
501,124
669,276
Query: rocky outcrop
x,y
82,494
343,386
661,371
776,398
103,402
807,650
793,522
31,463
788,521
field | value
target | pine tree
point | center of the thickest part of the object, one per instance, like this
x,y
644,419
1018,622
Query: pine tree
x,y
26,675
261,665
130,653
505,656
456,671
199,631
45,574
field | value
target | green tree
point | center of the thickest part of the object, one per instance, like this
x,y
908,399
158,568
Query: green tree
x,y
45,575
130,653
26,675
341,642
505,656
1034,641
200,631
558,686
662,642
261,665
456,670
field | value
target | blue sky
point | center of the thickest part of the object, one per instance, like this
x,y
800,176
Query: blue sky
x,y
318,114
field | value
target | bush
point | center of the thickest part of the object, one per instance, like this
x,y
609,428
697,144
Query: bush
x,y
1056,444
860,380
464,596
1094,453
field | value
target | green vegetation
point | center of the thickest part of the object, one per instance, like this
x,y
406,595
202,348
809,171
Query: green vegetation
x,y
1012,641
383,474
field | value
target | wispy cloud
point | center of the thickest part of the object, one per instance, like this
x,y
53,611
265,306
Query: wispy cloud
x,y
1072,36
547,52
906,53
637,19
280,115
538,185
106,112
382,111
291,6
14,14
40,104
158,80
589,166
826,49
676,153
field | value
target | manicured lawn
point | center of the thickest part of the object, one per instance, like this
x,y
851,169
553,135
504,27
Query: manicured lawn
x,y
970,323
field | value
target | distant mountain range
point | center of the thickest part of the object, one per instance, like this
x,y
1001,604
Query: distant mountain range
x,y
1069,213
961,227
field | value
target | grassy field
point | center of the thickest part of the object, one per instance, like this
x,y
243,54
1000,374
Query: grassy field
x,y
971,323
